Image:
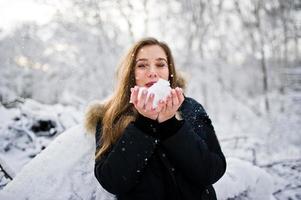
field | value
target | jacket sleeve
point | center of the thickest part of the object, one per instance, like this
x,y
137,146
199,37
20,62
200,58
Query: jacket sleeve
x,y
201,161
121,167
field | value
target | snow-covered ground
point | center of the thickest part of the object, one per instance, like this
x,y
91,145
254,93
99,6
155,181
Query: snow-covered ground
x,y
27,128
64,169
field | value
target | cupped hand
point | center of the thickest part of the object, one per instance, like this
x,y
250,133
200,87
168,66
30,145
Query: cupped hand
x,y
144,104
173,103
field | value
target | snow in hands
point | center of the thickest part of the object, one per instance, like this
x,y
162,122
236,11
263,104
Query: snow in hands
x,y
160,89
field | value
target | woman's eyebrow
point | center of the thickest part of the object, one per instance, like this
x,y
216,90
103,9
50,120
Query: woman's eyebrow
x,y
144,59
161,59
141,59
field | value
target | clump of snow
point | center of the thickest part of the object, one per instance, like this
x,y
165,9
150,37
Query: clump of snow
x,y
161,89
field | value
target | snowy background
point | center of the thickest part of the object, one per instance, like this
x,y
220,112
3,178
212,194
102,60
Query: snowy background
x,y
242,60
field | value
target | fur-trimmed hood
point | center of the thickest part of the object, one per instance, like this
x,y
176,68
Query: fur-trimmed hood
x,y
94,113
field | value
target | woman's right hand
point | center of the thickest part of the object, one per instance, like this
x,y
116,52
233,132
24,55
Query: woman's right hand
x,y
144,105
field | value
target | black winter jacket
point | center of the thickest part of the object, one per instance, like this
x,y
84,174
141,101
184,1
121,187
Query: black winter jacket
x,y
178,160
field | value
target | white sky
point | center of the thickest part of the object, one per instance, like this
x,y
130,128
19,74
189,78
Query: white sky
x,y
14,12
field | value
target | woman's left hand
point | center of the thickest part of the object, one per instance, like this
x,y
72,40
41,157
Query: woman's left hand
x,y
173,103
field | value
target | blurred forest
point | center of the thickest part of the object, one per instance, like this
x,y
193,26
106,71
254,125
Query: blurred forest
x,y
241,58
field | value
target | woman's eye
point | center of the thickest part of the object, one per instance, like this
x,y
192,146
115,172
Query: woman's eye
x,y
141,66
161,65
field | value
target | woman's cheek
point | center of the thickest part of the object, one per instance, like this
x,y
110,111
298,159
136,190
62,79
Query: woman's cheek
x,y
139,77
164,74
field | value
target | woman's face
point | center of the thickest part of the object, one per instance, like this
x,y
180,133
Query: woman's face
x,y
150,65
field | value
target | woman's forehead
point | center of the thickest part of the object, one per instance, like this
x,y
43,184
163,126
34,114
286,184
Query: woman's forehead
x,y
151,52
146,60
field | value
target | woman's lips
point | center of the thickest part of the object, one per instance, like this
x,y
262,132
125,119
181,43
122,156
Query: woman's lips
x,y
150,84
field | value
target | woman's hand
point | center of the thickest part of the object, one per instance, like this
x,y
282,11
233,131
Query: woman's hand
x,y
165,110
143,105
173,103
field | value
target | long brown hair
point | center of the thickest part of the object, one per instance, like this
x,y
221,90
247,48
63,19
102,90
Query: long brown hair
x,y
118,112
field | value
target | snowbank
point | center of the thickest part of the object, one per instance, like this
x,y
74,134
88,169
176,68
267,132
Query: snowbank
x,y
64,170
243,180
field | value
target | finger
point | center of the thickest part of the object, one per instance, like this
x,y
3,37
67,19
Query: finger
x,y
169,102
149,102
163,109
180,95
131,95
141,100
160,106
134,95
175,100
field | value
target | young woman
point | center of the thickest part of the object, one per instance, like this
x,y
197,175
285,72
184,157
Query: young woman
x,y
167,152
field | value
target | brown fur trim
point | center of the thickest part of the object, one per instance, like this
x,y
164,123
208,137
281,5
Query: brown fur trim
x,y
181,80
94,113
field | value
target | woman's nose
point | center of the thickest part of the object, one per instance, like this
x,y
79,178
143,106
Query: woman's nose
x,y
152,72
